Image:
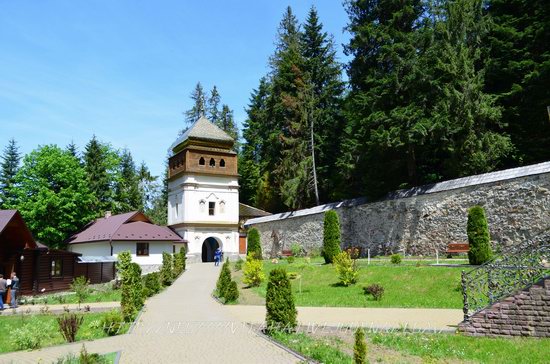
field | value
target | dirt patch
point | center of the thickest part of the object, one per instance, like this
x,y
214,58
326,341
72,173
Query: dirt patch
x,y
246,295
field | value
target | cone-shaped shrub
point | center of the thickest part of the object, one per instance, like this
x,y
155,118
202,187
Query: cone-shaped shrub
x,y
232,292
279,302
132,294
254,247
360,347
166,272
478,236
224,280
331,236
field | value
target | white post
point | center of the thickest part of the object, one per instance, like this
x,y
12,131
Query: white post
x,y
368,256
437,256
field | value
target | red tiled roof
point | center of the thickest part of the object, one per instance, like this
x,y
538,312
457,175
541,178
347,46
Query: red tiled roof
x,y
129,226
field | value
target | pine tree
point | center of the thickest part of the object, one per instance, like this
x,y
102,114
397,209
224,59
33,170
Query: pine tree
x,y
199,105
253,156
213,112
127,193
98,178
8,171
158,211
147,186
325,117
227,123
73,149
519,73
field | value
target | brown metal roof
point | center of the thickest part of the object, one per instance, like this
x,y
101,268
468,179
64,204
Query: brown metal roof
x,y
14,231
129,226
249,211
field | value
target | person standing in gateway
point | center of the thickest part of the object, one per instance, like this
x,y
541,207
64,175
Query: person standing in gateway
x,y
14,288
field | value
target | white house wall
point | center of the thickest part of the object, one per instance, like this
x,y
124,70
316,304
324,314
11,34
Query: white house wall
x,y
99,249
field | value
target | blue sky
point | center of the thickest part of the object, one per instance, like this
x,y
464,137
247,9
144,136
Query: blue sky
x,y
123,70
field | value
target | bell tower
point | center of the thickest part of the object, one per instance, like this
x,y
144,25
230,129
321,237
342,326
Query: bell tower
x,y
203,191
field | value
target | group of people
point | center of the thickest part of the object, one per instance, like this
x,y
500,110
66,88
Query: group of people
x,y
13,285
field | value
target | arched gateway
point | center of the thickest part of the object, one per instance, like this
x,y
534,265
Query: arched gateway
x,y
209,247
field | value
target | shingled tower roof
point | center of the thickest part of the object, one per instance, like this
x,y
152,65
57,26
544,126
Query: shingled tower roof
x,y
203,130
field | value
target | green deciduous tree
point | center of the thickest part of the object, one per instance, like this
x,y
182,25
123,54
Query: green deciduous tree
x,y
8,170
52,194
331,236
478,236
279,301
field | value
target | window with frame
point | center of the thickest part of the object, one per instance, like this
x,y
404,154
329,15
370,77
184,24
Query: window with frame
x,y
222,163
211,208
212,162
202,162
142,249
57,267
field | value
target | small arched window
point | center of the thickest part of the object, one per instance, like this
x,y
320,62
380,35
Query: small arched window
x,y
212,162
202,162
222,163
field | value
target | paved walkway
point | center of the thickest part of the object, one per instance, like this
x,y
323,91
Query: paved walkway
x,y
375,318
183,324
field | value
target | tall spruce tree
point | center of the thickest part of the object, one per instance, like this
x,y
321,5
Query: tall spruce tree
x,y
127,192
465,121
147,186
199,105
73,149
213,104
158,211
325,117
253,156
226,122
519,73
99,181
8,170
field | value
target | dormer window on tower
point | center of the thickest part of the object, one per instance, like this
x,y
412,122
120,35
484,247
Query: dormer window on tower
x,y
211,208
202,162
222,163
212,162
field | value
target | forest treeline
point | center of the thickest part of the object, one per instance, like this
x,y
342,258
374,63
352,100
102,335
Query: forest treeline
x,y
435,90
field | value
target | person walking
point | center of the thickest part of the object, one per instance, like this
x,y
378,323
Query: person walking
x,y
3,285
14,289
217,256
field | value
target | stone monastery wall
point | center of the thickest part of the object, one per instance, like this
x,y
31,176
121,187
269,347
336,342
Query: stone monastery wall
x,y
424,219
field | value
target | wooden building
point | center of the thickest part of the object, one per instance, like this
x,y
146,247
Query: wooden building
x,y
40,269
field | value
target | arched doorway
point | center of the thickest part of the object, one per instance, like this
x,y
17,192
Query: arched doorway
x,y
209,246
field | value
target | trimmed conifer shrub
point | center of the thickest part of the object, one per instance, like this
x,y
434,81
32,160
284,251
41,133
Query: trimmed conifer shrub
x,y
331,236
166,272
279,301
254,247
478,236
346,269
232,292
132,292
360,347
224,280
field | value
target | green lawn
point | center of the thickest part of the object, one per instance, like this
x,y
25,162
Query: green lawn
x,y
406,285
103,295
477,349
49,329
418,348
